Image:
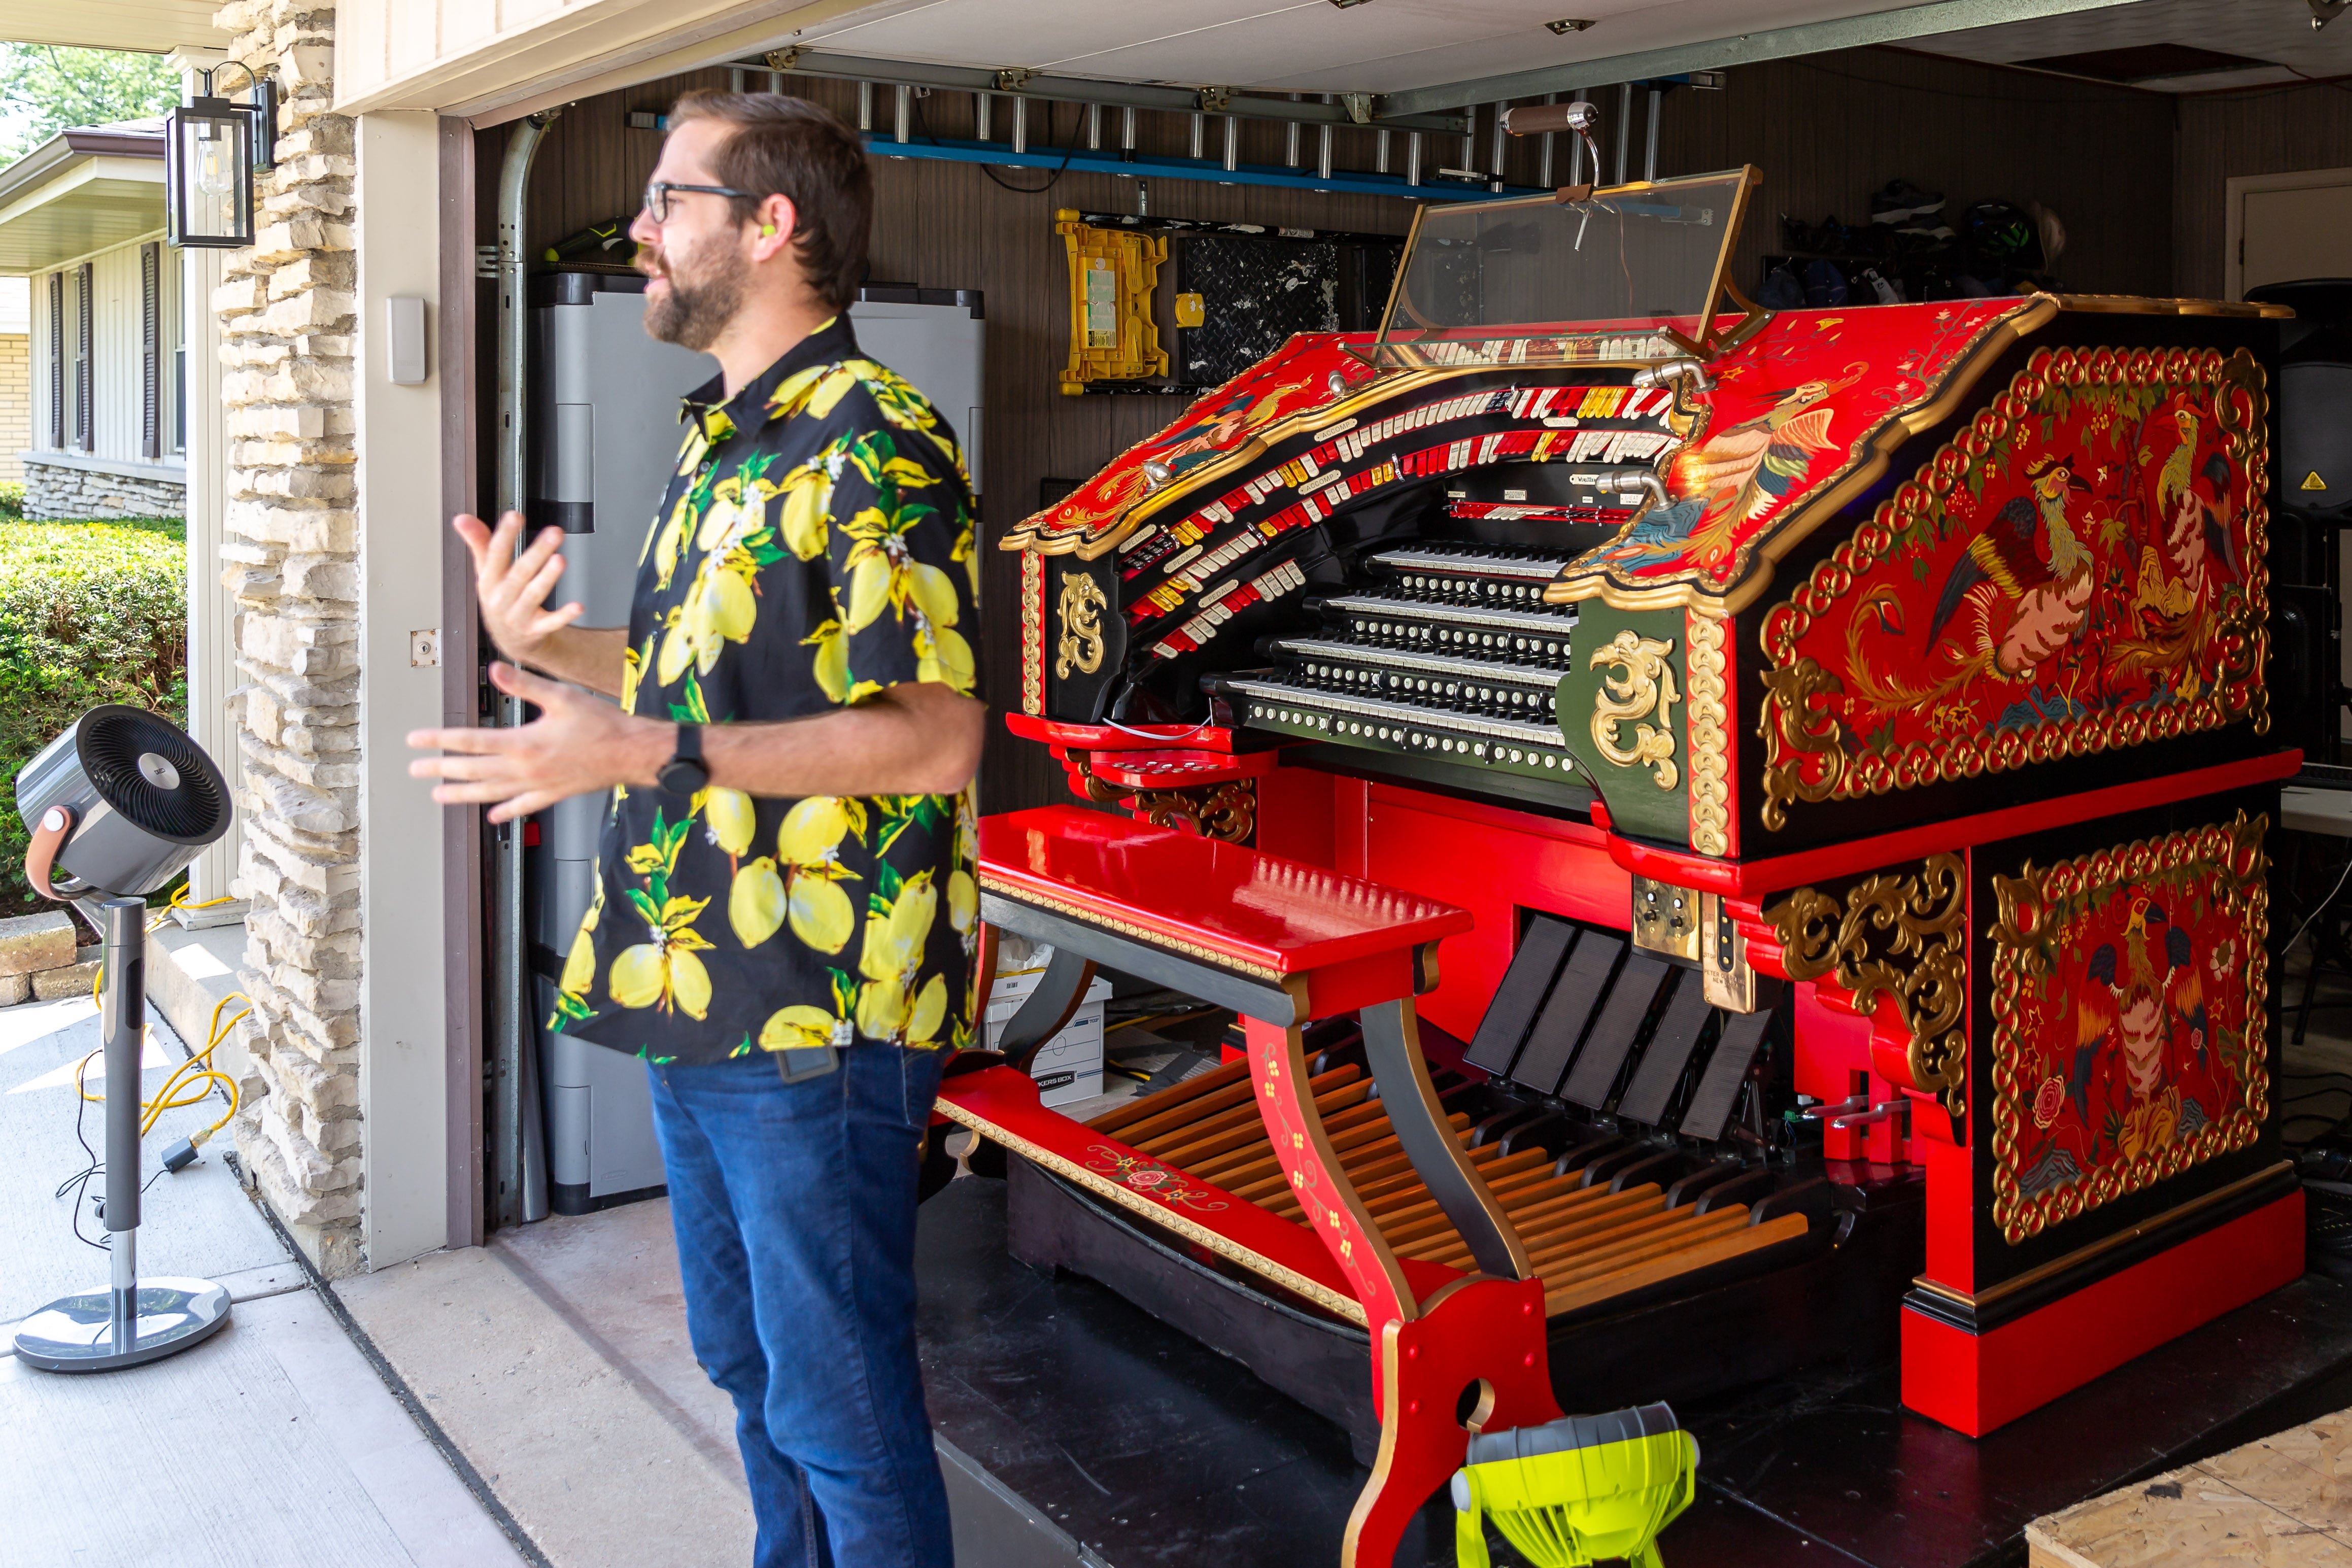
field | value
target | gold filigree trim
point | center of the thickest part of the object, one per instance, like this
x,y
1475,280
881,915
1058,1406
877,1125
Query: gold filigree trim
x,y
1643,685
1707,719
2036,906
1903,937
1033,633
1794,731
1226,812
1093,917
1128,1198
1080,646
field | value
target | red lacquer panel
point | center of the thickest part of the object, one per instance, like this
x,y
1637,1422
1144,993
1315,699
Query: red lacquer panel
x,y
2129,993
2080,569
1801,406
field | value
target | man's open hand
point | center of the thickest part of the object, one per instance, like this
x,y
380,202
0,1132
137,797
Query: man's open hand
x,y
576,745
512,588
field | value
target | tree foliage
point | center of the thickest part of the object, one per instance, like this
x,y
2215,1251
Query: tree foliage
x,y
44,89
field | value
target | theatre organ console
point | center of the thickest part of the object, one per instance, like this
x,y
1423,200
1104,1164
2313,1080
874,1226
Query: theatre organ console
x,y
1844,735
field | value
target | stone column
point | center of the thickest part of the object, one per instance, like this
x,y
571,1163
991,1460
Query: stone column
x,y
292,562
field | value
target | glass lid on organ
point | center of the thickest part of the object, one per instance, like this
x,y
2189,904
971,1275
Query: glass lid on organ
x,y
1632,272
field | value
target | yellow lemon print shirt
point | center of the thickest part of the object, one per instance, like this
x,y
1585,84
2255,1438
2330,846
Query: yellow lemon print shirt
x,y
814,546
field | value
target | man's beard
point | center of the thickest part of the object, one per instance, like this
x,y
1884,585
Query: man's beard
x,y
693,315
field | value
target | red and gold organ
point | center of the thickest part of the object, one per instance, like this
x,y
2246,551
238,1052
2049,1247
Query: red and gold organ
x,y
1808,778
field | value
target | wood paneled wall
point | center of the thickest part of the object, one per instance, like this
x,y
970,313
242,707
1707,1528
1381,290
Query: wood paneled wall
x,y
943,224
1827,131
2220,137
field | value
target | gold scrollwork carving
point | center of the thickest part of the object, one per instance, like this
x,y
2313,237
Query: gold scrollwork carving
x,y
1901,936
1710,766
1080,645
1645,684
1226,810
1033,633
1794,731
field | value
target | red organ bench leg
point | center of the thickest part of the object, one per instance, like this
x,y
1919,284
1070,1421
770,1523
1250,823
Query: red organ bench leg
x,y
1282,943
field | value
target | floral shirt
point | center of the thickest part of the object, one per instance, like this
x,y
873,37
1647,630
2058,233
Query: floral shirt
x,y
814,546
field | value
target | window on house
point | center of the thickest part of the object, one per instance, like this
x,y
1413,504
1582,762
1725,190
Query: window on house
x,y
173,296
85,329
151,350
57,346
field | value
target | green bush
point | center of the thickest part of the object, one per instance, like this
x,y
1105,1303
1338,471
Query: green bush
x,y
90,613
12,502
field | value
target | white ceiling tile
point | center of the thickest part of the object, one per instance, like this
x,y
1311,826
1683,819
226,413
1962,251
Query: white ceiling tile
x,y
2279,31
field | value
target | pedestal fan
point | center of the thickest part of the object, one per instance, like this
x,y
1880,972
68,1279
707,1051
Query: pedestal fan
x,y
117,806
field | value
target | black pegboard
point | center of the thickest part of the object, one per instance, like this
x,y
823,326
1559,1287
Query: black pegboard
x,y
1255,293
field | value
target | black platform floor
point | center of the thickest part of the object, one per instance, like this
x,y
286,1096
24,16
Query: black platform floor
x,y
1058,1401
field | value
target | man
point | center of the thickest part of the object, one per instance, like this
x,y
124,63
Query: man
x,y
785,908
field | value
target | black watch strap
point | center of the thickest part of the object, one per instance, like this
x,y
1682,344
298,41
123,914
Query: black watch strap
x,y
685,773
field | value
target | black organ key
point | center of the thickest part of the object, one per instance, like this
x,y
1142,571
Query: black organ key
x,y
1542,947
1672,1046
1615,1029
1560,1026
1718,1087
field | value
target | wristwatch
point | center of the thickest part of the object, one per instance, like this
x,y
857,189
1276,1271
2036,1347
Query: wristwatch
x,y
685,773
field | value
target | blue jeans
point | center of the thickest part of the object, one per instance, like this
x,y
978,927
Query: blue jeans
x,y
795,1209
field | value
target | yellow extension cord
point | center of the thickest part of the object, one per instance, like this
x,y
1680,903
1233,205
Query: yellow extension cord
x,y
188,1083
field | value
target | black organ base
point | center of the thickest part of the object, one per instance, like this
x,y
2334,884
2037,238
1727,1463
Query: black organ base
x,y
1077,1428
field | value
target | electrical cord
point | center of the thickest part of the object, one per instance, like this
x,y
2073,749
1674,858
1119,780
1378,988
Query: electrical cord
x,y
2316,910
196,1074
179,900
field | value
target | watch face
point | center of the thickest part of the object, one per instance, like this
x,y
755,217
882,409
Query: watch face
x,y
682,776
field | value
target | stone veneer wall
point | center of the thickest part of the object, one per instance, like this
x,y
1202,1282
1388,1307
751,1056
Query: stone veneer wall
x,y
60,490
291,561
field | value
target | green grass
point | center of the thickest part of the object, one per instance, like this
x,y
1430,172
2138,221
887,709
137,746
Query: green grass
x,y
90,613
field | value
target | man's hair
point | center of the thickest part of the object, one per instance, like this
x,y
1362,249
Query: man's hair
x,y
800,150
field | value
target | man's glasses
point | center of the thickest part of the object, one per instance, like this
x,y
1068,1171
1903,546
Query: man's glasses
x,y
657,195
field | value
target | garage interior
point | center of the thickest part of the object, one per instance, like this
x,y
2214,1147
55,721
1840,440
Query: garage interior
x,y
2182,149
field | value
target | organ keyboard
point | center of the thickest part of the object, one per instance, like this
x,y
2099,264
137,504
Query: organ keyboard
x,y
1448,656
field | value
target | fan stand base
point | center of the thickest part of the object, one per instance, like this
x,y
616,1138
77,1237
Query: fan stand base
x,y
85,1333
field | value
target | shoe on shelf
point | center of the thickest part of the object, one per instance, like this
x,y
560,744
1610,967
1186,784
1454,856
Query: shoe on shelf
x,y
1902,200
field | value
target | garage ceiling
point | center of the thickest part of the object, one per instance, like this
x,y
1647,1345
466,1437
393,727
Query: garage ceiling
x,y
1315,45
154,26
2271,33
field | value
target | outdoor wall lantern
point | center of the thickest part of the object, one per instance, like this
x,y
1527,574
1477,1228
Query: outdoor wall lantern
x,y
212,149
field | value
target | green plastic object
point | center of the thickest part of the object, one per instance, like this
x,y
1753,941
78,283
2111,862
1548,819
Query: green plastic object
x,y
1577,1491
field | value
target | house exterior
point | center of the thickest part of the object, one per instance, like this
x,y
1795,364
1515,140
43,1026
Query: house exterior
x,y
15,376
81,220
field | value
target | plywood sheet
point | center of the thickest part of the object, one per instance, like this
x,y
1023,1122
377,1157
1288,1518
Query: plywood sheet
x,y
2283,1503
